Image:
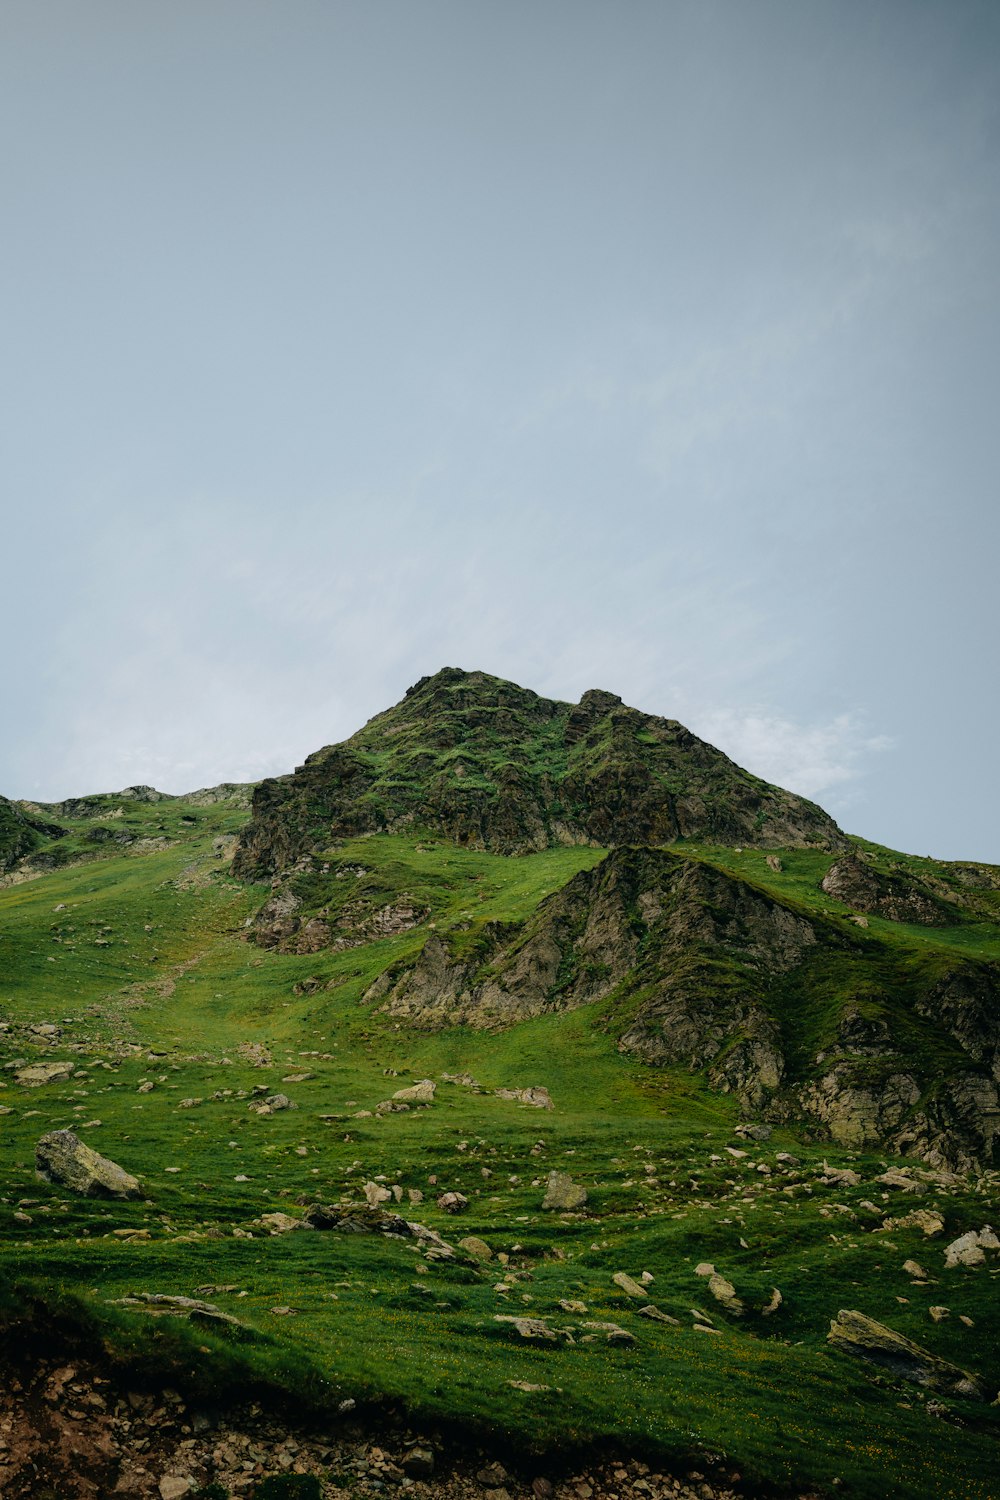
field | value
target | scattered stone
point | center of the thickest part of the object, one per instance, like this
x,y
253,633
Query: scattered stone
x,y
492,1476
970,1249
453,1203
375,1194
539,1098
173,1486
418,1463
278,1223
773,1304
417,1093
839,1176
856,1334
37,1074
925,1219
184,1307
562,1192
914,1268
474,1246
528,1328
61,1157
704,1268
629,1287
725,1293
939,1313
654,1313
894,1178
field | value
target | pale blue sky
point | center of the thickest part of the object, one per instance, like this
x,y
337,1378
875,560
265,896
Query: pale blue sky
x,y
648,346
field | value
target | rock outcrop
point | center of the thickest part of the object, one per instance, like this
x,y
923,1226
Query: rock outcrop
x,y
699,968
21,833
895,896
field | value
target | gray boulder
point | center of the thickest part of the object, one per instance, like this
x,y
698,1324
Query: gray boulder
x,y
861,1336
562,1192
61,1157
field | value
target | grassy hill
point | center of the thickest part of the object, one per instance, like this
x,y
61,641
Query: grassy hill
x,y
178,998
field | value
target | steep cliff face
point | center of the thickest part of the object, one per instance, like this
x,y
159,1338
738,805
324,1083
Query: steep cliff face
x,y
494,766
695,967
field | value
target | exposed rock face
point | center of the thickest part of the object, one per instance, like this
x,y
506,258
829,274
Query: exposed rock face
x,y
642,919
863,1337
62,1157
706,970
495,766
898,897
967,1002
280,924
20,833
639,909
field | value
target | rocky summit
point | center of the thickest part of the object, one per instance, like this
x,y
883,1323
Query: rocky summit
x,y
494,766
518,1099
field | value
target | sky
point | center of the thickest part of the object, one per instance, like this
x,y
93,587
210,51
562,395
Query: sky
x,y
651,346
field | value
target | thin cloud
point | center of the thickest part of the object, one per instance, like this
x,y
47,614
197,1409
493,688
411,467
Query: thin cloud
x,y
815,760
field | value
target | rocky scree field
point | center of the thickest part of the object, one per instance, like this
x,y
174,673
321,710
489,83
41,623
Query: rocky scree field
x,y
520,1083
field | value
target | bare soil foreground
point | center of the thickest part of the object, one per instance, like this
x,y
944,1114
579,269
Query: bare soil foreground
x,y
69,1430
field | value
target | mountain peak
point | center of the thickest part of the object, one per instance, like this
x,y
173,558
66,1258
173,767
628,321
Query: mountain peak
x,y
493,765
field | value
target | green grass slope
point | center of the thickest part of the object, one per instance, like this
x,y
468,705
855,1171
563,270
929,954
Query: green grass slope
x,y
174,1023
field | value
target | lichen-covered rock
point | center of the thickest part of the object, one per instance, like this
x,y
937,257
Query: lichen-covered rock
x,y
453,1203
970,1249
477,1248
538,1098
421,1092
35,1075
856,1334
561,1192
61,1157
